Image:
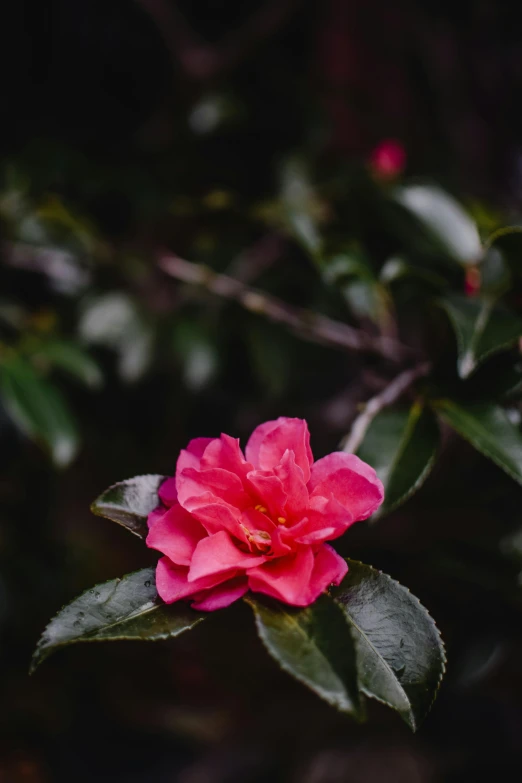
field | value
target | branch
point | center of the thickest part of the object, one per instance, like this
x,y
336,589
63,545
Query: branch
x,y
391,394
308,324
252,262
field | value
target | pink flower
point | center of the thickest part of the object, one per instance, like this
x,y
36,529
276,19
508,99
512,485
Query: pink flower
x,y
388,159
229,524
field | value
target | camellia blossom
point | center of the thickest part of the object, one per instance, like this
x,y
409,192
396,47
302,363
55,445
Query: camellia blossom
x,y
229,523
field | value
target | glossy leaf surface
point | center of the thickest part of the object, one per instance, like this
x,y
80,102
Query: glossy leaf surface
x,y
400,654
401,446
481,330
126,608
488,429
314,645
130,502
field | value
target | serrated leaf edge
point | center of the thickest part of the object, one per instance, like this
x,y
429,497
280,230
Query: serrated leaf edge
x,y
357,713
413,724
37,659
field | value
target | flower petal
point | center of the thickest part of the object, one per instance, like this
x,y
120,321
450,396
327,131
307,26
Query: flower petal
x,y
269,441
268,490
168,493
155,515
286,578
216,515
221,596
325,519
176,534
217,554
191,456
350,481
225,452
311,537
222,484
329,568
294,485
172,583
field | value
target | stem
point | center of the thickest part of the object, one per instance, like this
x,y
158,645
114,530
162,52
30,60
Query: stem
x,y
501,232
375,405
308,324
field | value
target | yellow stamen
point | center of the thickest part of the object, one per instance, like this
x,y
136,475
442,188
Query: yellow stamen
x,y
260,508
263,534
281,520
260,541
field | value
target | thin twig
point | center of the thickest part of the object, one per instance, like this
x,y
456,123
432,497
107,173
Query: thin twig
x,y
391,394
255,260
308,324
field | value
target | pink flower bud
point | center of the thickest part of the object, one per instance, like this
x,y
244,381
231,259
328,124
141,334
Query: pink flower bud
x,y
388,159
472,281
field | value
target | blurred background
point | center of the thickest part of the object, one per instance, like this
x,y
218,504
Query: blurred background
x,y
270,141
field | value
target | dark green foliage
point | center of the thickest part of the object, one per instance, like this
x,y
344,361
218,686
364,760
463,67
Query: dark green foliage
x,y
126,608
488,428
400,654
482,330
314,646
401,445
39,409
130,502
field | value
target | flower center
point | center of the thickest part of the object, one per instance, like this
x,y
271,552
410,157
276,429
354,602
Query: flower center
x,y
259,540
263,510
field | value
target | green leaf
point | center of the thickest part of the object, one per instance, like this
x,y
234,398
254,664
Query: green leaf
x,y
314,645
352,273
130,502
488,429
196,347
73,359
39,409
396,268
502,383
401,446
115,320
400,654
126,608
495,275
301,207
444,218
481,330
